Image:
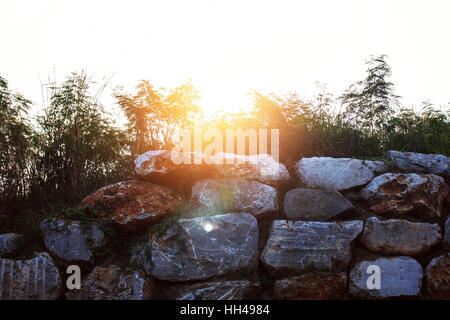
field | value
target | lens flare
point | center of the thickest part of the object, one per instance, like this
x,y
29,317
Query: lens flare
x,y
208,227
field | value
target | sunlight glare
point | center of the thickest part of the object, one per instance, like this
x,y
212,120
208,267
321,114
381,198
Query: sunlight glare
x,y
208,227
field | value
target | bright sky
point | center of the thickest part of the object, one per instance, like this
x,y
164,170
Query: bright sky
x,y
227,47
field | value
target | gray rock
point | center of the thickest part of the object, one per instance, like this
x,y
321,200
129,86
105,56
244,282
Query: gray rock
x,y
235,195
299,246
9,243
33,279
446,242
201,248
400,237
215,290
337,173
154,162
311,204
438,277
412,194
419,162
353,196
111,283
159,167
262,168
72,241
133,205
399,277
312,286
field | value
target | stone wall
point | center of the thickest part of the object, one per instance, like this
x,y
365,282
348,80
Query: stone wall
x,y
254,230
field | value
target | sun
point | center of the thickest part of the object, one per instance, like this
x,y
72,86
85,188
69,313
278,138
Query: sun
x,y
215,100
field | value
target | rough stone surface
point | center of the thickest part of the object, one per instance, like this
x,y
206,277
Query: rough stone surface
x,y
446,242
262,168
337,173
354,196
419,162
299,246
235,195
201,248
215,290
312,204
399,194
400,277
133,204
312,286
438,277
72,241
33,279
111,283
158,166
400,237
9,243
152,163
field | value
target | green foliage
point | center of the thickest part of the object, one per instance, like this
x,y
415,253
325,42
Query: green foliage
x,y
80,149
341,140
370,101
154,115
82,214
159,229
73,150
15,145
427,131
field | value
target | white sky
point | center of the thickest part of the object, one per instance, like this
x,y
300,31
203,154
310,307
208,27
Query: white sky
x,y
227,47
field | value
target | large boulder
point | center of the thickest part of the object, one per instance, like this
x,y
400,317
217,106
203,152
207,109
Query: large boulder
x,y
419,162
235,195
399,277
337,173
446,242
111,283
400,237
215,290
398,194
133,205
34,279
312,286
437,275
301,246
260,167
9,243
313,204
72,241
201,248
158,167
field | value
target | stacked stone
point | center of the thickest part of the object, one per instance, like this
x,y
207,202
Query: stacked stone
x,y
309,253
344,217
215,254
410,230
403,216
